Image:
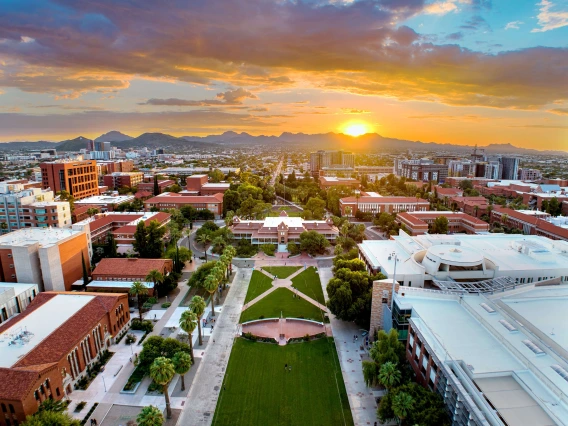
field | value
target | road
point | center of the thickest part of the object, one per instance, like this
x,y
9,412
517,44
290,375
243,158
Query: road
x,y
276,172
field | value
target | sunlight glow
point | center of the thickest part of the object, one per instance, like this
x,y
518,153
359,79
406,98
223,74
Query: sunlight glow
x,y
356,128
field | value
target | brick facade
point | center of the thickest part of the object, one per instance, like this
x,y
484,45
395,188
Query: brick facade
x,y
382,294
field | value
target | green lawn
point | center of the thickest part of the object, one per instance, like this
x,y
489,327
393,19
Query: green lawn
x,y
257,392
259,283
308,282
282,300
281,271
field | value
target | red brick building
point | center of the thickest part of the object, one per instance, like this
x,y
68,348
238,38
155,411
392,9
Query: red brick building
x,y
149,186
119,179
200,185
371,204
168,200
79,178
418,223
47,348
529,224
130,269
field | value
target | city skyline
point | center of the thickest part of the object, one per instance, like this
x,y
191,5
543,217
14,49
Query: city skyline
x,y
452,71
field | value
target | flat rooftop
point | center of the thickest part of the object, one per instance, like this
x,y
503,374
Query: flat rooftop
x,y
116,284
106,199
44,236
19,339
19,288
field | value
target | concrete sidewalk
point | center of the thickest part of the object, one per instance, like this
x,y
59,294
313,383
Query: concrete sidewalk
x,y
202,398
361,398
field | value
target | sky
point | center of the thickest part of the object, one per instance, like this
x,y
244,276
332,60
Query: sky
x,y
449,71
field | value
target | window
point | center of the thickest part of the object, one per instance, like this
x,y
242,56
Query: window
x,y
11,407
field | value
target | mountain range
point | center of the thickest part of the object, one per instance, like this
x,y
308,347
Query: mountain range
x,y
368,142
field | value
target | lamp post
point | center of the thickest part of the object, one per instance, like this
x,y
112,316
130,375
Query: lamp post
x,y
357,195
395,257
104,384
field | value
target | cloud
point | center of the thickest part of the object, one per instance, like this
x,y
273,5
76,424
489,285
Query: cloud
x,y
549,20
441,8
354,111
513,25
541,126
76,46
476,23
20,125
258,109
230,97
452,117
454,36
559,111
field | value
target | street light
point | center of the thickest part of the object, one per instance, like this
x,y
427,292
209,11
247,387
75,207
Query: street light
x,y
357,195
393,255
104,384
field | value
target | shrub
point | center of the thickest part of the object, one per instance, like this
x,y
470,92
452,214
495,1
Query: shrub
x,y
147,305
268,249
245,249
80,406
144,325
130,339
250,336
152,300
136,377
166,305
306,337
293,249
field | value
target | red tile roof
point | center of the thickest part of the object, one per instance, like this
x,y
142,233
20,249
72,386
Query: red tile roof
x,y
133,267
385,200
186,199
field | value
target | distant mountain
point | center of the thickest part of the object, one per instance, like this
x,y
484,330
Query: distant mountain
x,y
113,136
368,142
72,144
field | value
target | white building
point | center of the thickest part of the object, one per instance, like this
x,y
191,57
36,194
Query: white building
x,y
495,359
14,298
438,260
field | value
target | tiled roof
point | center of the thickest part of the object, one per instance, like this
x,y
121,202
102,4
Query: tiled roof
x,y
132,267
187,199
16,383
384,200
105,220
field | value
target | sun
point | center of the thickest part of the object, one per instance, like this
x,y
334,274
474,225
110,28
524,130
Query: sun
x,y
356,128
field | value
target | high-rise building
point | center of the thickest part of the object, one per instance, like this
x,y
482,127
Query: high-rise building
x,y
510,168
102,146
421,170
321,159
530,174
119,179
90,145
79,178
493,170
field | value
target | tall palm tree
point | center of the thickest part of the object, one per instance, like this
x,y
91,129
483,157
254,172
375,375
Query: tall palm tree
x,y
182,363
138,290
224,259
187,232
150,416
187,323
162,372
230,251
219,273
197,306
389,375
219,243
204,239
402,404
156,277
210,285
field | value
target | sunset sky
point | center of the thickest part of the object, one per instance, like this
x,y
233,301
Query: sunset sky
x,y
457,71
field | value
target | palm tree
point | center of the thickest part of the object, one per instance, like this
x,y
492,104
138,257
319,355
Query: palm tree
x,y
205,239
57,406
187,232
230,251
197,306
182,363
218,272
210,285
150,416
219,243
187,323
156,277
389,376
402,404
138,290
162,372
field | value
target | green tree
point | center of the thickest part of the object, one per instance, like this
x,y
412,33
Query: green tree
x,y
316,207
53,405
554,207
140,239
402,404
210,285
313,242
389,375
156,277
205,240
216,176
92,211
150,416
138,290
188,322
173,188
182,363
66,196
50,418
156,186
197,306
154,242
162,372
386,349
465,185
440,225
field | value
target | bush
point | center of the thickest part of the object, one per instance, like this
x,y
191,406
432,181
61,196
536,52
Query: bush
x,y
268,249
130,339
245,249
152,300
306,337
80,406
293,249
145,325
249,336
84,421
136,377
166,305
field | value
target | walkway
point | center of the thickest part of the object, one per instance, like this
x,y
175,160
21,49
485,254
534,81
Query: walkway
x,y
284,283
204,392
361,398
